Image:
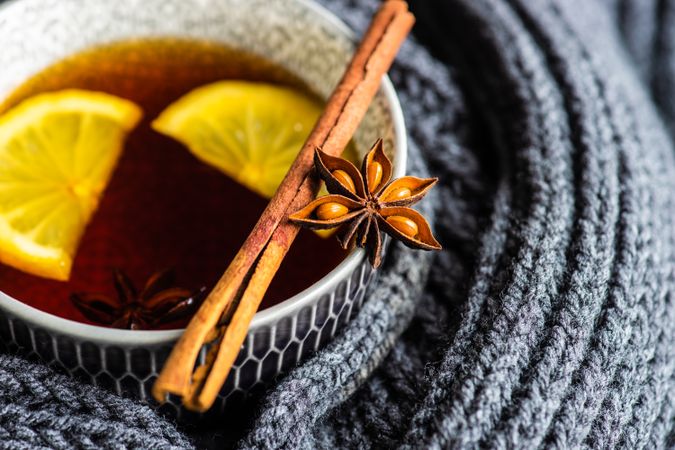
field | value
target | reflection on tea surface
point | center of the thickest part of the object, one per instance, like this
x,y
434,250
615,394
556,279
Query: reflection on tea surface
x,y
163,208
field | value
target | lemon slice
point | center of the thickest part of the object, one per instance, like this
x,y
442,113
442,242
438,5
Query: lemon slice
x,y
251,131
57,153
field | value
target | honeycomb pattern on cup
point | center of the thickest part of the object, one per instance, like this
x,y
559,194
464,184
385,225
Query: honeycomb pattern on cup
x,y
267,352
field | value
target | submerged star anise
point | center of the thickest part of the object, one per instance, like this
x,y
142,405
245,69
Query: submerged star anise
x,y
158,303
363,202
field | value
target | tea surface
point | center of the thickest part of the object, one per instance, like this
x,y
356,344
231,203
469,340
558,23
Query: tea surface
x,y
163,208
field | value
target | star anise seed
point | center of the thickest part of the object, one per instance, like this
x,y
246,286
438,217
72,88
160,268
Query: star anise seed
x,y
365,202
159,303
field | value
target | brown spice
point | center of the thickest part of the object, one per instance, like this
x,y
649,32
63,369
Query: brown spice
x,y
158,303
224,317
375,204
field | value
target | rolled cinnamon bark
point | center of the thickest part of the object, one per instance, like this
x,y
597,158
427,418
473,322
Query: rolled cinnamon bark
x,y
224,317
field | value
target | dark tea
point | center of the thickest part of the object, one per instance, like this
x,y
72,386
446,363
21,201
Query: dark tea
x,y
163,208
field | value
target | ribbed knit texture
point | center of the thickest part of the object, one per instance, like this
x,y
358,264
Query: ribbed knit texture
x,y
548,320
40,409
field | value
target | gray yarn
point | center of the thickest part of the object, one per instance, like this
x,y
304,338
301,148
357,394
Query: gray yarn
x,y
40,409
548,320
559,332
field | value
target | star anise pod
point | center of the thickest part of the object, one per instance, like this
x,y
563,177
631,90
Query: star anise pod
x,y
158,303
363,202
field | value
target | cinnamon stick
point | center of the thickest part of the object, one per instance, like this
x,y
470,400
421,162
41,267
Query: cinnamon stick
x,y
224,317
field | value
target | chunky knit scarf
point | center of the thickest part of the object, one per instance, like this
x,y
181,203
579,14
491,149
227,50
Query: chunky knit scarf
x,y
549,318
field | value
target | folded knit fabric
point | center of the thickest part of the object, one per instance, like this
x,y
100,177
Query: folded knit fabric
x,y
548,320
42,410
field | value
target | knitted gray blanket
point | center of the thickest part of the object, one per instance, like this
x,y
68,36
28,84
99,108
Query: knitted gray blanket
x,y
549,318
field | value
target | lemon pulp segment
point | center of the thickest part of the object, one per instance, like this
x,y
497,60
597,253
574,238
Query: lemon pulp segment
x,y
57,153
250,131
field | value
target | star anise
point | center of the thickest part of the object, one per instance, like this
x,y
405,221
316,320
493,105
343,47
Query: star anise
x,y
363,202
158,303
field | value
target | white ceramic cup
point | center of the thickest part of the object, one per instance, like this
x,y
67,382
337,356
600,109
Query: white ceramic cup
x,y
298,35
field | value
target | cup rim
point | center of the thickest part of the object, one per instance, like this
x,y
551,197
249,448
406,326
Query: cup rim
x,y
264,318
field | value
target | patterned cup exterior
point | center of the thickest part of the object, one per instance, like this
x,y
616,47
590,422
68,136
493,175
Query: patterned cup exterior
x,y
130,369
296,34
